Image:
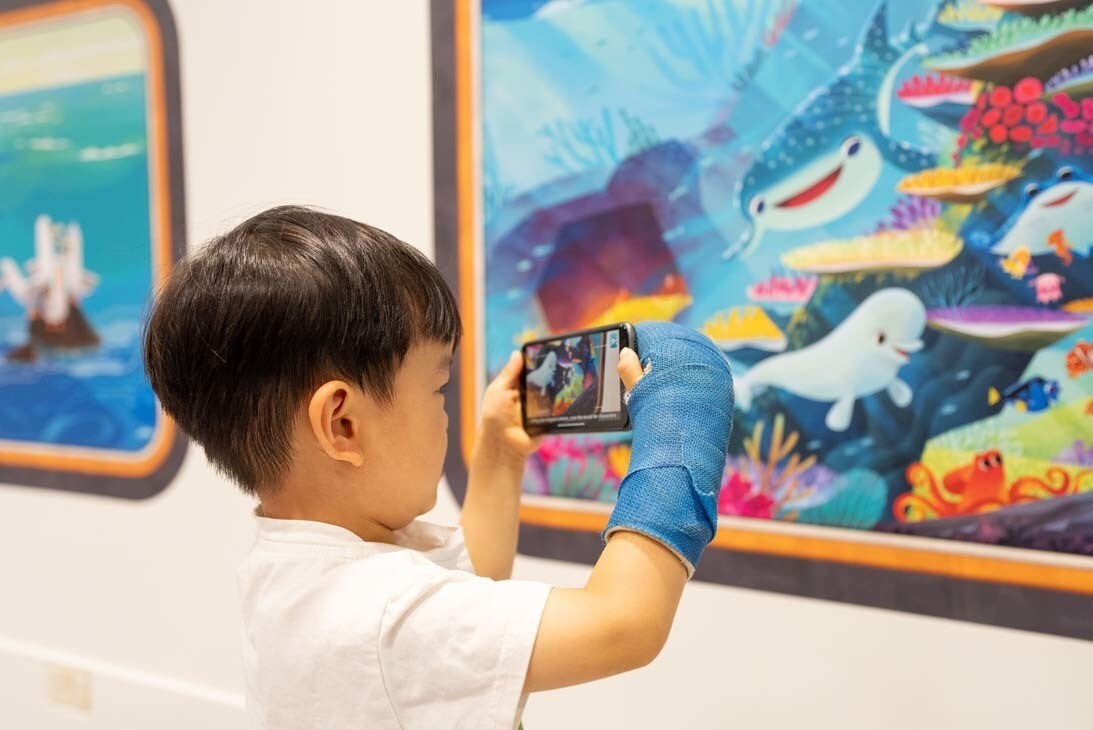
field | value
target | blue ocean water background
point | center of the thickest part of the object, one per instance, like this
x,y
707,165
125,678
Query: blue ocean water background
x,y
79,153
561,77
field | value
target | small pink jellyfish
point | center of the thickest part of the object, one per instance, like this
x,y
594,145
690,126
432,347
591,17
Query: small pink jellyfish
x,y
1048,288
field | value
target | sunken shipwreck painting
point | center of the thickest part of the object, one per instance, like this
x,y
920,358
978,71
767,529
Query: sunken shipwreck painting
x,y
879,210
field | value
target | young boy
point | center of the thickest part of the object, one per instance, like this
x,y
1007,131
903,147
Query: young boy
x,y
308,354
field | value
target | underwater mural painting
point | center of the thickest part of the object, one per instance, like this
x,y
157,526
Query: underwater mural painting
x,y
90,222
878,210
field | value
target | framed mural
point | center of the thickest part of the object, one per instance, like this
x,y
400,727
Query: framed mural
x,y
878,210
91,219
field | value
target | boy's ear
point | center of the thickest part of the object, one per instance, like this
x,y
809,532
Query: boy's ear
x,y
334,414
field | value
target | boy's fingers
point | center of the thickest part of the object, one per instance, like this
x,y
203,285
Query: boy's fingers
x,y
629,368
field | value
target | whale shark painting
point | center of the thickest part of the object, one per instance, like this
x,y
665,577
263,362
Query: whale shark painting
x,y
878,210
827,157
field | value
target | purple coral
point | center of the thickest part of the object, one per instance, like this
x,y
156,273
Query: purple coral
x,y
1078,454
1069,74
1024,329
909,213
992,315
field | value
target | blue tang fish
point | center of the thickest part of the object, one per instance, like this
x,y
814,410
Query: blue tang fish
x,y
1033,395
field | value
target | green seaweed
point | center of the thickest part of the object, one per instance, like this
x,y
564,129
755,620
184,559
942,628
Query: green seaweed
x,y
581,479
1018,31
858,501
641,135
956,285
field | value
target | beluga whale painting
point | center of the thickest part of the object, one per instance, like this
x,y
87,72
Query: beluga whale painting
x,y
860,357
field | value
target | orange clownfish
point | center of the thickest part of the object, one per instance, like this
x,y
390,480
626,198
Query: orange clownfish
x,y
1080,359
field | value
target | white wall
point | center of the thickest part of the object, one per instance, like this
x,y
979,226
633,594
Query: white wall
x,y
327,102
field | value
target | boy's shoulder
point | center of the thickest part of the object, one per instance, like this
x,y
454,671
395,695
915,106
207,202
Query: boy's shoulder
x,y
324,574
428,546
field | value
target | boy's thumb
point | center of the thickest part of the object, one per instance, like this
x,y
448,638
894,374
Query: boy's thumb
x,y
515,363
510,374
629,368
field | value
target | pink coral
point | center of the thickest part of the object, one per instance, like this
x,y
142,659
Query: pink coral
x,y
553,448
937,85
571,467
783,288
740,498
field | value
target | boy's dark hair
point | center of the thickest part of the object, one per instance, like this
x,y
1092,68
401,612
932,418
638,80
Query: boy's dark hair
x,y
250,324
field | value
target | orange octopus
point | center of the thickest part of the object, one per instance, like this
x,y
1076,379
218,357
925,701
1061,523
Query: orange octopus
x,y
976,488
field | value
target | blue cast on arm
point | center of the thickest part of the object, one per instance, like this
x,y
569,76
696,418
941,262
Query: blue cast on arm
x,y
681,413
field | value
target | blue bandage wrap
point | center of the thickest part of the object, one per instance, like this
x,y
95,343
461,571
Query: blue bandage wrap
x,y
681,414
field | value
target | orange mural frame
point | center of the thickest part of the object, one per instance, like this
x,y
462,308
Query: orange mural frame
x,y
1041,570
155,456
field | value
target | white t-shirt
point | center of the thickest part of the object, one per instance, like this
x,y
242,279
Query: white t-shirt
x,y
343,633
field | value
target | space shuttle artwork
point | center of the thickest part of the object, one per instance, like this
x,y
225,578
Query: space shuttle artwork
x,y
50,292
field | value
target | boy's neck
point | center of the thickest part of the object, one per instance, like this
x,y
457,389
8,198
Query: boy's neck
x,y
283,505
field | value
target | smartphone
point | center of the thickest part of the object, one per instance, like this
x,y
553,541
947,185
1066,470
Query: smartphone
x,y
571,381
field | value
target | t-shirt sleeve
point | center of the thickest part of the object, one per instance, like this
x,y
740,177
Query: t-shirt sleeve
x,y
454,652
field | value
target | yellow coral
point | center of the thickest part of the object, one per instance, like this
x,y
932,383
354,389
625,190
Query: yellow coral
x,y
964,184
744,327
1079,306
618,459
916,249
782,485
529,334
639,309
968,13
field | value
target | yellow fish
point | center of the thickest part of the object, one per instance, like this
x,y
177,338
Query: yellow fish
x,y
1016,264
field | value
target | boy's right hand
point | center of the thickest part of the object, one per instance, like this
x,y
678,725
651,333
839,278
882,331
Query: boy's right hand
x,y
681,408
681,413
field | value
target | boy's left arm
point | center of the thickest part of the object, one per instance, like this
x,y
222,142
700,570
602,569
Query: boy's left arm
x,y
491,509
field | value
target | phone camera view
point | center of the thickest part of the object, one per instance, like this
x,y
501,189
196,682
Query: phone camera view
x,y
573,381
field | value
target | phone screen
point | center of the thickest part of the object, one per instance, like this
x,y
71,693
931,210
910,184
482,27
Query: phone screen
x,y
572,382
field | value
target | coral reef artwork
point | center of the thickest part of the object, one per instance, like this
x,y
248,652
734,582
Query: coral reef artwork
x,y
878,210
